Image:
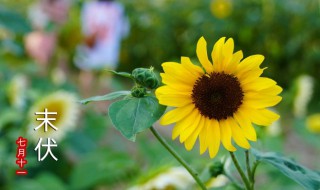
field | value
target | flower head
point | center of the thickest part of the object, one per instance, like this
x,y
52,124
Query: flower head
x,y
219,101
64,103
221,8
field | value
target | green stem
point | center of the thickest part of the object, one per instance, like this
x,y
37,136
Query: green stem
x,y
243,176
255,165
248,164
178,158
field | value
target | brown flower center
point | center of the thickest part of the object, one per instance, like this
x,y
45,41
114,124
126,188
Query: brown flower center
x,y
217,95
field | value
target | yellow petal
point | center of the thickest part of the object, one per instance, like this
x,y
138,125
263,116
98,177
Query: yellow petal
x,y
233,64
174,100
250,76
184,123
259,84
178,71
214,137
189,143
249,63
176,115
227,49
236,58
203,136
169,90
203,55
273,90
177,84
225,131
246,125
189,130
216,54
237,134
186,62
261,116
257,100
227,54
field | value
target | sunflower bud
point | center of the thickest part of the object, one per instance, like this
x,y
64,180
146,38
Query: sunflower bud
x,y
138,91
216,169
145,77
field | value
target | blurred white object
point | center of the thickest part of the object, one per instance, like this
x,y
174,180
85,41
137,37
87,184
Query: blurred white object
x,y
219,181
174,178
39,19
58,76
104,26
43,12
275,128
17,91
305,85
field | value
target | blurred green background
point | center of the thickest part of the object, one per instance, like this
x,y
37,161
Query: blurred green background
x,y
93,155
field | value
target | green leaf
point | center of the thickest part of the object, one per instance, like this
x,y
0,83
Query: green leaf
x,y
45,180
302,175
50,182
110,96
134,115
102,167
13,21
123,74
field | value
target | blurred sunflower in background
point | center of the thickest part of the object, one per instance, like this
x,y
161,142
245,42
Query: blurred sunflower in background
x,y
313,123
221,8
67,108
217,102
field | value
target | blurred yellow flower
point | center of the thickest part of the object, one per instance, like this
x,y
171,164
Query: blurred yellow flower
x,y
313,123
62,102
217,102
221,8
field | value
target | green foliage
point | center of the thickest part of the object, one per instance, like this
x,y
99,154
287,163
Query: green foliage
x,y
285,32
302,175
135,115
101,167
216,169
46,181
13,21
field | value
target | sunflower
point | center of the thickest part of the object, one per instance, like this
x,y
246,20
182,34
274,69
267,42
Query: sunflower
x,y
62,102
219,101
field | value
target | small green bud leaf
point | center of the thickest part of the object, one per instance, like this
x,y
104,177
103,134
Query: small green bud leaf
x,y
216,169
110,96
145,77
123,74
138,91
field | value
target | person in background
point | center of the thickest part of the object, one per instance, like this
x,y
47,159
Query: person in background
x,y
104,25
